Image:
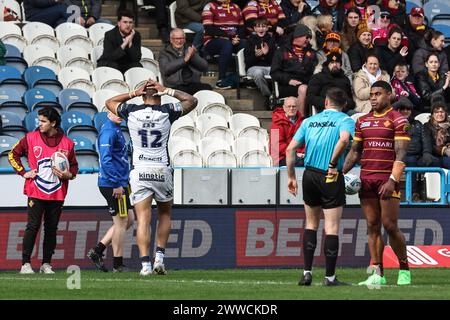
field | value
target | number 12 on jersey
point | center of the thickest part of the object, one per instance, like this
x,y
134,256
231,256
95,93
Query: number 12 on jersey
x,y
144,138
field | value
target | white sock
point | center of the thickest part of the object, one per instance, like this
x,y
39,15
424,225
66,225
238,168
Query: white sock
x,y
307,271
159,256
331,278
146,265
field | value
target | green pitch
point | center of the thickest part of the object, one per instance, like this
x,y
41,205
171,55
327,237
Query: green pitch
x,y
238,284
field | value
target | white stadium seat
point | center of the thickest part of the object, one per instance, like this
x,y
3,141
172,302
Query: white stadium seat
x,y
40,33
100,96
177,144
210,144
221,158
239,121
97,32
254,132
40,55
243,145
221,132
96,53
10,33
220,109
206,97
73,33
256,158
109,78
208,120
73,56
187,158
189,132
76,78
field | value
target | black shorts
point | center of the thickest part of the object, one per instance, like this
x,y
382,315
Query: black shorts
x,y
318,192
116,206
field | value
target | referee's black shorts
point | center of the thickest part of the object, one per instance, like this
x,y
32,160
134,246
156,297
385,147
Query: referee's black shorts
x,y
317,191
114,205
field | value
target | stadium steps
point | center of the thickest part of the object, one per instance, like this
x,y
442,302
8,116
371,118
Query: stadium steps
x,y
251,102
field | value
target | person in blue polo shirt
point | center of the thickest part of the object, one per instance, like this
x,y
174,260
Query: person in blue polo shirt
x,y
113,185
326,136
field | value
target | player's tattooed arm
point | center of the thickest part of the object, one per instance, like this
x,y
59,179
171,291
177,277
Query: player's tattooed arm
x,y
353,156
187,101
401,148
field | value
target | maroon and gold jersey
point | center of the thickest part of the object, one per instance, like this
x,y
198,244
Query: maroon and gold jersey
x,y
269,10
378,133
228,17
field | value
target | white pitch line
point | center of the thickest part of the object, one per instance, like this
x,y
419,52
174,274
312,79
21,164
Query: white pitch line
x,y
154,279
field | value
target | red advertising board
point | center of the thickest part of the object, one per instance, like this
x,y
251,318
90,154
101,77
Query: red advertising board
x,y
420,257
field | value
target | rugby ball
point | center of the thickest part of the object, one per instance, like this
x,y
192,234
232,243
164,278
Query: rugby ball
x,y
352,184
59,160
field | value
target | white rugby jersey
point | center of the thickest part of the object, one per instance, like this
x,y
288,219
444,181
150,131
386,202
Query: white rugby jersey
x,y
149,127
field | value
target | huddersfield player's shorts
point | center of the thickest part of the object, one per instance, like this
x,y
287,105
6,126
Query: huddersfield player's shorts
x,y
116,206
318,190
151,181
370,189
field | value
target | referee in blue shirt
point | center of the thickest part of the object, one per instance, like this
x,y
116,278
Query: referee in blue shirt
x,y
326,136
113,185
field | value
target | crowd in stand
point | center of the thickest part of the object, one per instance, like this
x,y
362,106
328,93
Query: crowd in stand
x,y
338,43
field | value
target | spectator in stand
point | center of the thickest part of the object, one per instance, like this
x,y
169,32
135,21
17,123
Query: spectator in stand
x,y
285,123
434,41
258,54
91,12
415,28
293,65
437,130
332,8
405,89
361,5
122,45
224,34
364,78
311,23
332,75
431,82
324,26
188,15
49,12
381,28
181,66
397,8
332,44
358,51
294,10
419,152
392,53
268,9
348,34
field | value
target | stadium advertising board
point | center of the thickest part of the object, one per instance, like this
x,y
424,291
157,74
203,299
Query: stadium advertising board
x,y
227,238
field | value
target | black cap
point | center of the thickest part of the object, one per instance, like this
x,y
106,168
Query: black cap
x,y
302,30
334,57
